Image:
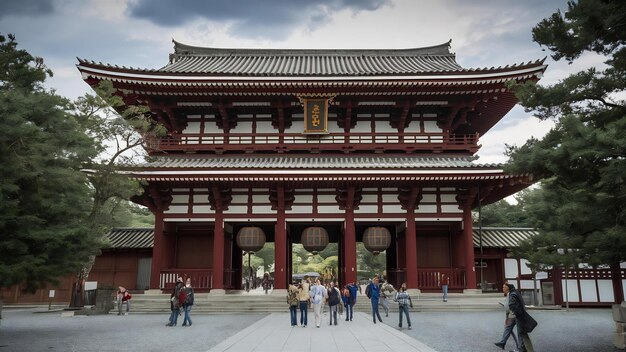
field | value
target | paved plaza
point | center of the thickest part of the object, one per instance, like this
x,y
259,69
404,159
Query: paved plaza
x,y
558,331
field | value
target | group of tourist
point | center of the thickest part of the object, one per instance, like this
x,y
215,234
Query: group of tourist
x,y
181,300
307,293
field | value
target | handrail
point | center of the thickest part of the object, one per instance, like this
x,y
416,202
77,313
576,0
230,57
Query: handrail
x,y
267,141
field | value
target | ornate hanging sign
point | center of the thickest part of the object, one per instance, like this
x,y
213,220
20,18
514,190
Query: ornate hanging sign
x,y
315,115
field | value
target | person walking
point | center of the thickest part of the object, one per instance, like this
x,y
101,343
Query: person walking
x,y
445,281
509,321
353,291
304,299
404,302
123,296
318,293
386,293
175,303
333,302
266,282
525,323
373,292
187,303
293,302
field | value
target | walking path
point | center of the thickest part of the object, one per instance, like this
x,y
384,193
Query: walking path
x,y
274,333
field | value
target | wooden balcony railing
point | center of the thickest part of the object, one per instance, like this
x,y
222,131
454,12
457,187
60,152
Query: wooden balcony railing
x,y
201,279
297,141
430,279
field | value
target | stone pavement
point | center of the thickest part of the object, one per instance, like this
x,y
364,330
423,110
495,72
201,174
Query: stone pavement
x,y
274,333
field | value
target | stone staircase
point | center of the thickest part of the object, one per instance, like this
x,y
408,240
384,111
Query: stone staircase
x,y
275,302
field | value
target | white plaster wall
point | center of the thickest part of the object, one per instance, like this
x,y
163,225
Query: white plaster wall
x,y
202,198
524,267
526,284
588,291
385,127
180,198
426,209
260,198
265,127
366,209
392,208
324,198
237,209
450,208
572,290
431,127
390,198
448,198
176,209
192,127
329,209
240,199
202,209
510,268
300,209
263,209
429,198
369,198
605,288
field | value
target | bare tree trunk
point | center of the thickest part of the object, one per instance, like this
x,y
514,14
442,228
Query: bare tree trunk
x,y
78,287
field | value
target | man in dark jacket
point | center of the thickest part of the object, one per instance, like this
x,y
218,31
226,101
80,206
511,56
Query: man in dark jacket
x,y
352,289
525,323
174,303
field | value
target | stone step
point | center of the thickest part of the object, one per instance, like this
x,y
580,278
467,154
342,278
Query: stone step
x,y
261,303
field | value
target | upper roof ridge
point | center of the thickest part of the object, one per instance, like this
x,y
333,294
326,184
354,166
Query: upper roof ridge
x,y
181,49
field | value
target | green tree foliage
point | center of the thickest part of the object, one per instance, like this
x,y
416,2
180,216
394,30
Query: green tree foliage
x,y
504,214
582,159
44,196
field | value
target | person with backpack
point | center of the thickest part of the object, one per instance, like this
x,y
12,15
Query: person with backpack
x,y
186,298
333,302
352,290
293,301
373,293
404,301
175,303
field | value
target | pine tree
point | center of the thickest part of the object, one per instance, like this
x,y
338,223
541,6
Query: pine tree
x,y
45,199
582,160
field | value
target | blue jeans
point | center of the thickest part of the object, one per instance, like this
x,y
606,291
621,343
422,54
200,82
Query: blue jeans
x,y
187,320
294,315
348,311
508,331
375,310
174,316
304,309
404,308
444,288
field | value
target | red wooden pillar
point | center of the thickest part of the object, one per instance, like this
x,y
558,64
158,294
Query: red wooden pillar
x,y
411,250
468,244
157,251
280,252
349,247
218,252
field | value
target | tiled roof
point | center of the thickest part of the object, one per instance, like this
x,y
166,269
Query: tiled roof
x,y
498,237
502,237
305,62
138,238
316,162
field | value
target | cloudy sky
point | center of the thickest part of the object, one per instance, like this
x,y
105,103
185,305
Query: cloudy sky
x,y
139,33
